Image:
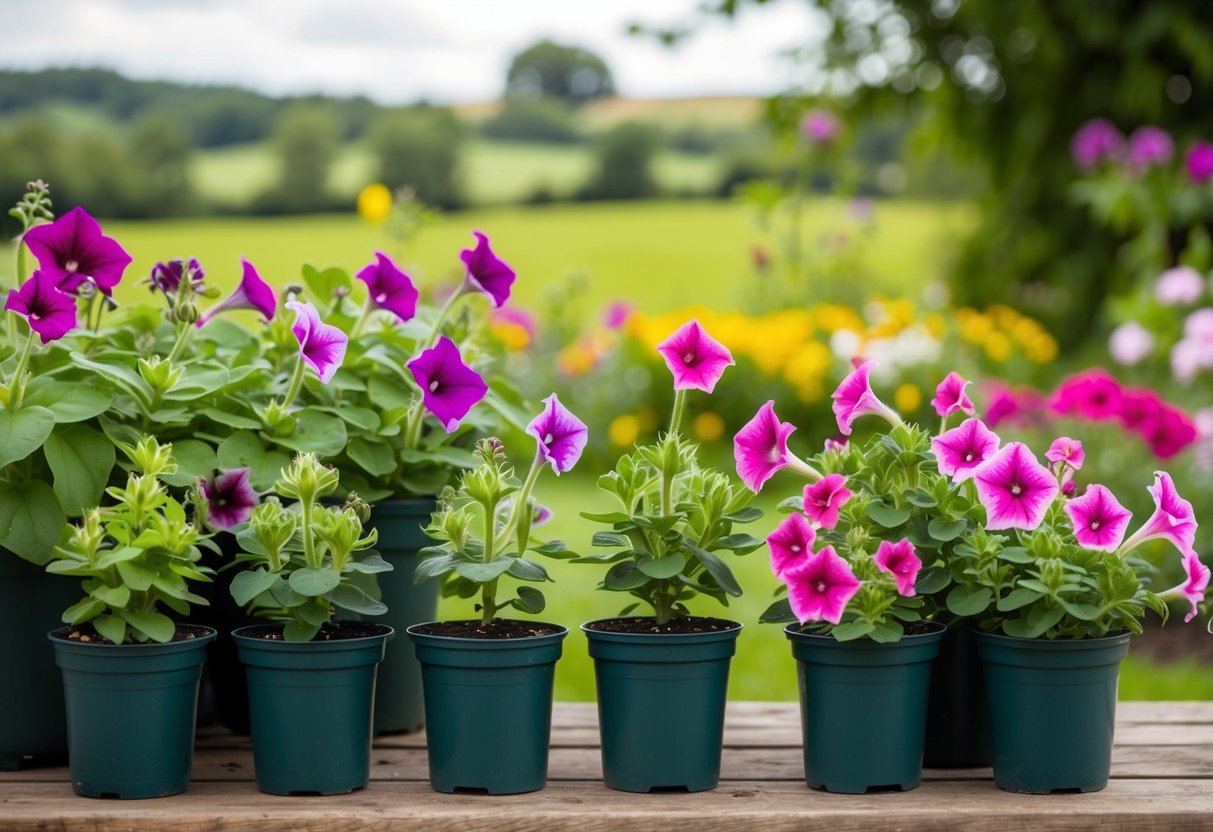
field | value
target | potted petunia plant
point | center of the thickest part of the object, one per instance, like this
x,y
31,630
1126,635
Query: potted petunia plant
x,y
665,675
488,681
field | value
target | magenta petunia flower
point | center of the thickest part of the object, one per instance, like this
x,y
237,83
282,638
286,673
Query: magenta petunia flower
x,y
950,396
1173,518
449,388
1169,431
72,249
1092,394
854,398
389,288
901,561
167,276
820,587
820,126
696,359
824,498
791,543
321,345
252,293
1067,450
1194,585
1099,519
50,312
1149,145
230,499
487,272
760,448
1179,286
1068,488
1015,489
1096,141
963,448
1004,404
1200,162
560,434
617,314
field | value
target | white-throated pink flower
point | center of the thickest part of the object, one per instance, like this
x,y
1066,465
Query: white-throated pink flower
x,y
901,561
50,312
1015,489
1068,451
820,587
1099,519
560,434
389,288
1173,518
487,272
823,499
252,293
320,345
72,249
760,448
854,398
449,388
960,450
696,359
791,543
230,498
1194,585
950,396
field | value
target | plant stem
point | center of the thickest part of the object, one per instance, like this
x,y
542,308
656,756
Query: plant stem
x,y
443,314
184,331
412,425
296,384
309,544
680,401
520,518
17,385
367,311
488,591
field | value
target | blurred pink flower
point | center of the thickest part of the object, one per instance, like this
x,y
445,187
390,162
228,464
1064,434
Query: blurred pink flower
x,y
1168,431
1096,141
1129,343
820,126
950,396
1180,286
1092,394
1199,326
1200,162
617,314
1149,145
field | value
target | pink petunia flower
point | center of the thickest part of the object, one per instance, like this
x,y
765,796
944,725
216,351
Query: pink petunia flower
x,y
824,498
950,396
1148,146
1173,518
963,448
1194,585
854,398
791,543
1095,141
1200,162
1130,343
1015,489
1198,326
389,287
1099,519
1003,405
449,388
696,359
1179,286
1168,431
560,434
321,345
1068,488
760,448
820,588
617,314
901,561
1067,450
820,126
252,293
1092,394
51,312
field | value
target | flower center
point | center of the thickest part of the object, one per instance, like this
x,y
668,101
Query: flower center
x,y
1094,525
820,586
71,266
381,297
548,438
969,456
688,359
904,568
1016,489
774,455
434,386
795,547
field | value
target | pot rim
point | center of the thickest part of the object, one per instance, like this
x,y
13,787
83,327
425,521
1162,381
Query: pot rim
x,y
208,635
1058,643
525,640
607,634
793,634
332,645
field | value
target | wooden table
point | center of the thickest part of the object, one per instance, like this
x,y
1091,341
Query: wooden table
x,y
1162,779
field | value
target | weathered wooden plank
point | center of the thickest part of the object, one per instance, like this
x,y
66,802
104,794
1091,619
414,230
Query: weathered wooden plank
x,y
755,806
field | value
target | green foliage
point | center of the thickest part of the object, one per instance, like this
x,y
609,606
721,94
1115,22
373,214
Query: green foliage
x,y
552,70
419,147
624,163
539,120
306,139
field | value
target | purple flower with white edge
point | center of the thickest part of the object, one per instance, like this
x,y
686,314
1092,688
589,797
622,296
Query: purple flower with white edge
x,y
1149,145
72,249
791,543
820,587
167,276
902,562
1200,162
1194,585
854,398
824,498
487,272
696,359
1067,450
1099,519
252,293
230,498
1179,286
1096,141
1015,489
560,434
449,388
389,287
1130,343
50,312
962,449
950,396
1173,518
321,345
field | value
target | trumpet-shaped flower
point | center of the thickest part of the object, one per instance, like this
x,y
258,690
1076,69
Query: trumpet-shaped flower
x,y
950,396
51,313
1067,450
1015,489
760,448
791,543
449,388
824,498
320,345
252,293
1194,585
1099,519
230,499
389,288
854,398
167,276
486,271
820,587
1173,518
72,249
901,561
963,448
696,359
560,434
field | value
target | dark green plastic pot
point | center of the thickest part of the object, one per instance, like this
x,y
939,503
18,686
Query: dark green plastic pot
x,y
310,705
399,705
958,714
488,710
661,704
1052,710
33,726
130,714
863,708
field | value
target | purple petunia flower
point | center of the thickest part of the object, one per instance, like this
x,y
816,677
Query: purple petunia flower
x,y
1194,585
51,313
901,561
1099,519
696,359
72,249
617,314
1173,518
760,448
1015,489
1096,141
791,543
950,396
252,293
820,588
449,388
167,276
486,271
390,288
560,434
854,398
1149,145
820,126
321,345
1200,162
963,448
230,499
824,498
1067,450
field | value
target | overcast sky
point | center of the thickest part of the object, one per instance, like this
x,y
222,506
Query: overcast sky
x,y
398,50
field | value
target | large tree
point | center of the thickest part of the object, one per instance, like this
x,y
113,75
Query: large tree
x,y
553,70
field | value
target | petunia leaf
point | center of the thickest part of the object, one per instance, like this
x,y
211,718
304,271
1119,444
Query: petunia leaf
x,y
888,516
944,531
23,432
69,402
969,601
30,520
81,459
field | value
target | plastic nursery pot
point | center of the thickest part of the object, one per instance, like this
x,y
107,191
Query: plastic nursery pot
x,y
863,708
661,700
399,706
958,715
310,706
488,710
130,713
1052,710
33,725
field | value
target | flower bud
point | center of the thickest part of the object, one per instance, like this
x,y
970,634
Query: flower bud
x,y
359,506
186,312
150,457
307,479
160,374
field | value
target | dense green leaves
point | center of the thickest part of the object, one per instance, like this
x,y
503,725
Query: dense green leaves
x,y
81,460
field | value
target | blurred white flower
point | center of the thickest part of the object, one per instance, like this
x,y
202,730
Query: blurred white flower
x,y
1186,360
1199,326
1129,343
1180,286
845,344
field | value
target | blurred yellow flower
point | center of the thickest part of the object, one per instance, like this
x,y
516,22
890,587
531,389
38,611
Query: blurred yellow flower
x,y
708,426
997,346
1043,350
577,359
513,336
907,398
624,430
374,202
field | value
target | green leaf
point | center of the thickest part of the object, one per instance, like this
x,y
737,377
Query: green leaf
x,y
349,597
966,601
482,573
136,576
745,515
607,517
920,498
31,520
1017,598
932,580
943,531
232,420
82,611
156,626
194,459
662,568
371,563
433,567
23,432
388,393
887,515
611,539
1083,612
852,630
314,582
780,612
1016,554
316,432
243,449
324,284
69,402
125,377
624,576
739,542
111,627
248,584
554,549
886,632
362,418
530,600
115,596
718,569
81,460
376,458
528,570
297,630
